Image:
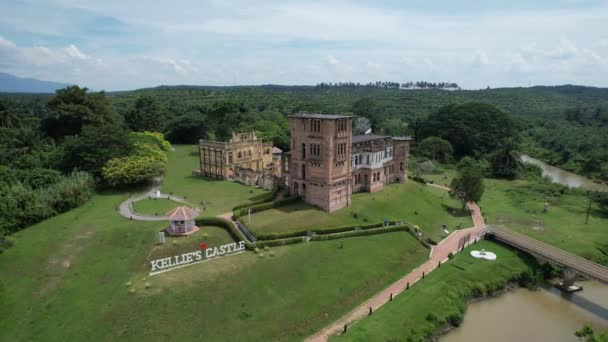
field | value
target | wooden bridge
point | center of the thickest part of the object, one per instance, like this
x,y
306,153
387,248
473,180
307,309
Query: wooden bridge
x,y
552,254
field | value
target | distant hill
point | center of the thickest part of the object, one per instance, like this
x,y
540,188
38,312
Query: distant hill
x,y
14,84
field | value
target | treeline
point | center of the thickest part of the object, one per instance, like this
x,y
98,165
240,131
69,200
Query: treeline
x,y
55,151
577,141
390,85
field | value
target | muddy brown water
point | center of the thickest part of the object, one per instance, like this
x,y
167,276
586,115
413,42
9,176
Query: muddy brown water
x,y
543,315
564,177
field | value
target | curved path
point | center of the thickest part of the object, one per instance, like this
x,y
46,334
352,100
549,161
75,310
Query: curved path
x,y
439,254
126,209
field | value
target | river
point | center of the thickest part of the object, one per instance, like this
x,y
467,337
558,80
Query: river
x,y
564,177
543,315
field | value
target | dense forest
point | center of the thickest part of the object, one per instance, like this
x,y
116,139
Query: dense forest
x,y
64,145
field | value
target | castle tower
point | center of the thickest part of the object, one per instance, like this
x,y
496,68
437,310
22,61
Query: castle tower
x,y
320,163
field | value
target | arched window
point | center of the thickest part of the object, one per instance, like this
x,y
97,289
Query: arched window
x,y
240,155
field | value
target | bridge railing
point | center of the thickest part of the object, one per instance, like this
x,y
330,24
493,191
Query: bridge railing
x,y
530,245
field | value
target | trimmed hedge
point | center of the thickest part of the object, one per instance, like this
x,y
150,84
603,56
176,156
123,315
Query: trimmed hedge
x,y
318,231
354,233
254,203
265,206
279,242
234,231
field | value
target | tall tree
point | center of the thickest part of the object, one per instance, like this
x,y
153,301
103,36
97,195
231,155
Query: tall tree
x,y
505,162
146,115
472,128
72,108
468,185
436,149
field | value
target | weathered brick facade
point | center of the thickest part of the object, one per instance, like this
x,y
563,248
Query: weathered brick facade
x,y
327,164
243,152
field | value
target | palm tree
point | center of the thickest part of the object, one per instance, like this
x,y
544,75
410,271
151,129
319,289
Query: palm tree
x,y
8,118
506,161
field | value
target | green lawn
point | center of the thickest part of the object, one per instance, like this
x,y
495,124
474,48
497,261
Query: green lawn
x,y
65,279
518,205
154,206
413,202
417,312
220,195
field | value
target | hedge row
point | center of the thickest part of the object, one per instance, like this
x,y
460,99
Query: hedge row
x,y
234,231
265,206
254,203
273,236
359,233
279,242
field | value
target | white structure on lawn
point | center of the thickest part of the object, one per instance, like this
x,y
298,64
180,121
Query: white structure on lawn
x,y
182,221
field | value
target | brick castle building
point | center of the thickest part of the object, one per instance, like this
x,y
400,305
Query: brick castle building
x,y
327,163
245,158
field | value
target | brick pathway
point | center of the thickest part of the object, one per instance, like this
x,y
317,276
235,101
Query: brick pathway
x,y
439,253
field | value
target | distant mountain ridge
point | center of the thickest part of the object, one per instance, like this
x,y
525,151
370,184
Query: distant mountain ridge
x,y
13,84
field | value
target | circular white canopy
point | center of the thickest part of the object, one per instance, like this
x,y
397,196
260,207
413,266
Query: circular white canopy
x,y
483,255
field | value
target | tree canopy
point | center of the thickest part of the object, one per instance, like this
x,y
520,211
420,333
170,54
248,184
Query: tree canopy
x,y
468,185
472,128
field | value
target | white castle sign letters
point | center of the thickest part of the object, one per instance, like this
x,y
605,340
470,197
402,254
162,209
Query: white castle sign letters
x,y
169,263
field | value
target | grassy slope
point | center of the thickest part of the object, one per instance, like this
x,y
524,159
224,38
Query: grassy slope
x,y
514,205
65,280
220,195
43,298
395,202
248,297
439,293
154,206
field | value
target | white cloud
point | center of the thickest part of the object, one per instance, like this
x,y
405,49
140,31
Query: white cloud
x,y
73,52
6,44
480,59
331,60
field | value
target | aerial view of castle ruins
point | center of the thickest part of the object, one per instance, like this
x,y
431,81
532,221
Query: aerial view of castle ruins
x,y
325,166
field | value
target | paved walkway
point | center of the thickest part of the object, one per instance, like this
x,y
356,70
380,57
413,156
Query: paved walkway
x,y
439,253
126,209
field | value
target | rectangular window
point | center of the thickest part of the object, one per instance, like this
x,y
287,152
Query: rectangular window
x,y
303,151
401,166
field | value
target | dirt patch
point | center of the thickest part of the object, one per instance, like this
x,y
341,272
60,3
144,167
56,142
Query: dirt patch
x,y
534,224
57,266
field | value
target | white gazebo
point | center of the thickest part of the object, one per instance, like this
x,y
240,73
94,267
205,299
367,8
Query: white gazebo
x,y
182,221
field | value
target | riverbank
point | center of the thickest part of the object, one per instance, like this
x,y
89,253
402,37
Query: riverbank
x,y
566,177
447,328
518,314
433,304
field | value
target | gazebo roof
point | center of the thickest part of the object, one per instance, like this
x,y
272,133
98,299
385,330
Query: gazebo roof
x,y
182,213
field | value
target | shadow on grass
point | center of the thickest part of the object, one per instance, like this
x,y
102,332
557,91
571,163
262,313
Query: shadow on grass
x,y
456,212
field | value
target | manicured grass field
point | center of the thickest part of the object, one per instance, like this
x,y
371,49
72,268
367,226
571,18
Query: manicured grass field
x,y
220,195
412,202
154,206
415,313
65,273
519,206
66,279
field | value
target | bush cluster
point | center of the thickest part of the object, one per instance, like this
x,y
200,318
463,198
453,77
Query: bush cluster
x,y
21,205
146,161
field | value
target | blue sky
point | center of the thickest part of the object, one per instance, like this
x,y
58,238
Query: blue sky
x,y
127,44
